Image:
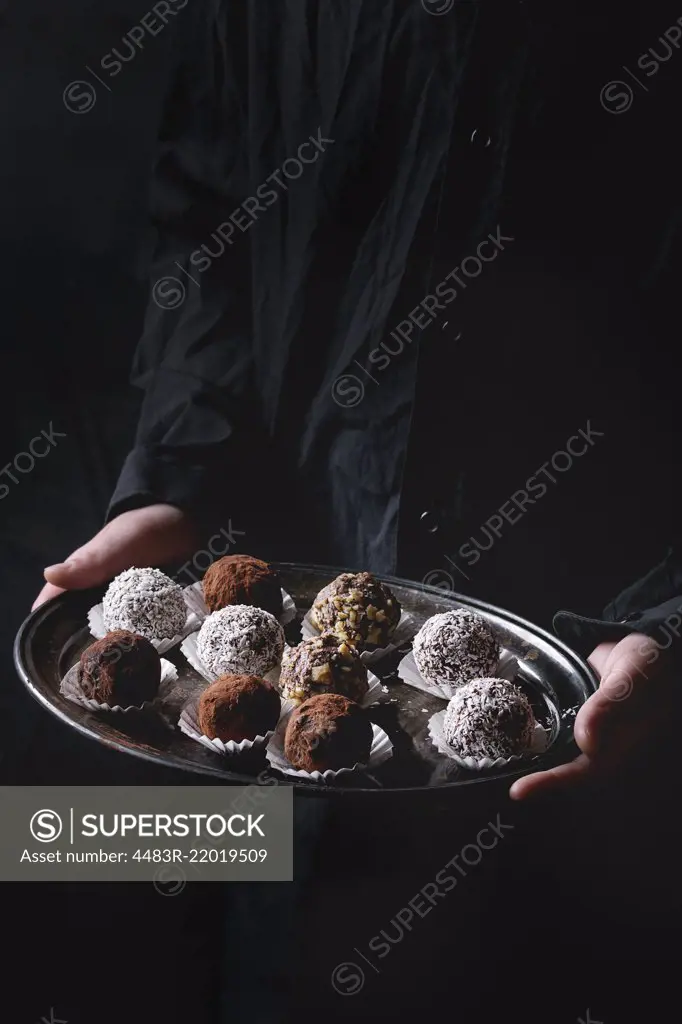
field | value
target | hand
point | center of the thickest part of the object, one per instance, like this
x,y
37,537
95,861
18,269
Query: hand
x,y
144,537
632,703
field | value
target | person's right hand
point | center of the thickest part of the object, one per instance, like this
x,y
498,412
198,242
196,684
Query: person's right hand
x,y
149,536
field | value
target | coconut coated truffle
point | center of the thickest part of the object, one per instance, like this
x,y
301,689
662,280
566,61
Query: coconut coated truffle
x,y
238,708
146,602
242,579
240,640
357,607
322,664
328,732
121,668
489,718
455,647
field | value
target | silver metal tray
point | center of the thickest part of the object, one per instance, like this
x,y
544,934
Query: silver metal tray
x,y
556,680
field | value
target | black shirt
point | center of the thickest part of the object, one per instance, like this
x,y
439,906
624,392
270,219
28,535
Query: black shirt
x,y
323,170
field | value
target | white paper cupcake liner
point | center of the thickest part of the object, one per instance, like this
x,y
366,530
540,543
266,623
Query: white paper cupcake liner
x,y
507,668
70,689
188,723
189,649
194,596
99,630
381,750
539,743
404,631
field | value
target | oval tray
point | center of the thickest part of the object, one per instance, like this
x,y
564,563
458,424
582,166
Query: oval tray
x,y
557,681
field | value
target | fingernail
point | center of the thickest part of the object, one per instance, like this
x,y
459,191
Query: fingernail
x,y
57,565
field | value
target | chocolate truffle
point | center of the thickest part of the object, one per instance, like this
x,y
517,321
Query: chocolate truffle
x,y
147,602
322,664
455,647
121,668
238,708
489,718
240,640
357,607
328,732
242,579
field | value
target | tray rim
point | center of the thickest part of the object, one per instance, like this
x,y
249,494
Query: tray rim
x,y
174,762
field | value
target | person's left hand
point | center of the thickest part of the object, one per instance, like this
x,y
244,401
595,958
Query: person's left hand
x,y
633,701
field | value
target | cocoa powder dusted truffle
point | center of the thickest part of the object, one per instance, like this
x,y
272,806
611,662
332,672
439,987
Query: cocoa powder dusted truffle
x,y
147,602
455,647
357,607
242,579
322,664
120,669
240,640
489,718
238,708
328,732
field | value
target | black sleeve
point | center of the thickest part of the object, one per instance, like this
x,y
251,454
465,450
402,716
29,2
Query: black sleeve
x,y
194,361
652,606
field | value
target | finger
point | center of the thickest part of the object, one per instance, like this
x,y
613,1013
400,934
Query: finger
x,y
619,665
594,711
615,710
635,655
598,715
46,594
551,780
149,536
608,731
600,656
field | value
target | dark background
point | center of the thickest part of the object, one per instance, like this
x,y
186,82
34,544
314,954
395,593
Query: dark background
x,y
72,279
74,229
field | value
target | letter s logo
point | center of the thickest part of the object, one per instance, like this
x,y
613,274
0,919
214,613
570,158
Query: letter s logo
x,y
46,826
79,97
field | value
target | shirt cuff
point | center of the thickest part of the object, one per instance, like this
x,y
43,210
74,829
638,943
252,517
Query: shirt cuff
x,y
663,623
149,477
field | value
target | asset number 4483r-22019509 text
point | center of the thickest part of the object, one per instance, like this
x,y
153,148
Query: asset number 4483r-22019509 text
x,y
202,856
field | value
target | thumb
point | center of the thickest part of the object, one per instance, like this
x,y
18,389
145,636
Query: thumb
x,y
81,570
563,775
614,713
146,536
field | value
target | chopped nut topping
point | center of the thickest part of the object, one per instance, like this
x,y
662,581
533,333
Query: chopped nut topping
x,y
321,674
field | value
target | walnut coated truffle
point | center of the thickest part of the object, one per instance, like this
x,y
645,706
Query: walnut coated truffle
x,y
455,647
328,732
357,607
489,718
120,669
238,707
322,664
242,579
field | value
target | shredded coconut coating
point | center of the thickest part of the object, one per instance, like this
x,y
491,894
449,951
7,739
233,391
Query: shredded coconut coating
x,y
240,640
455,647
147,602
489,718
